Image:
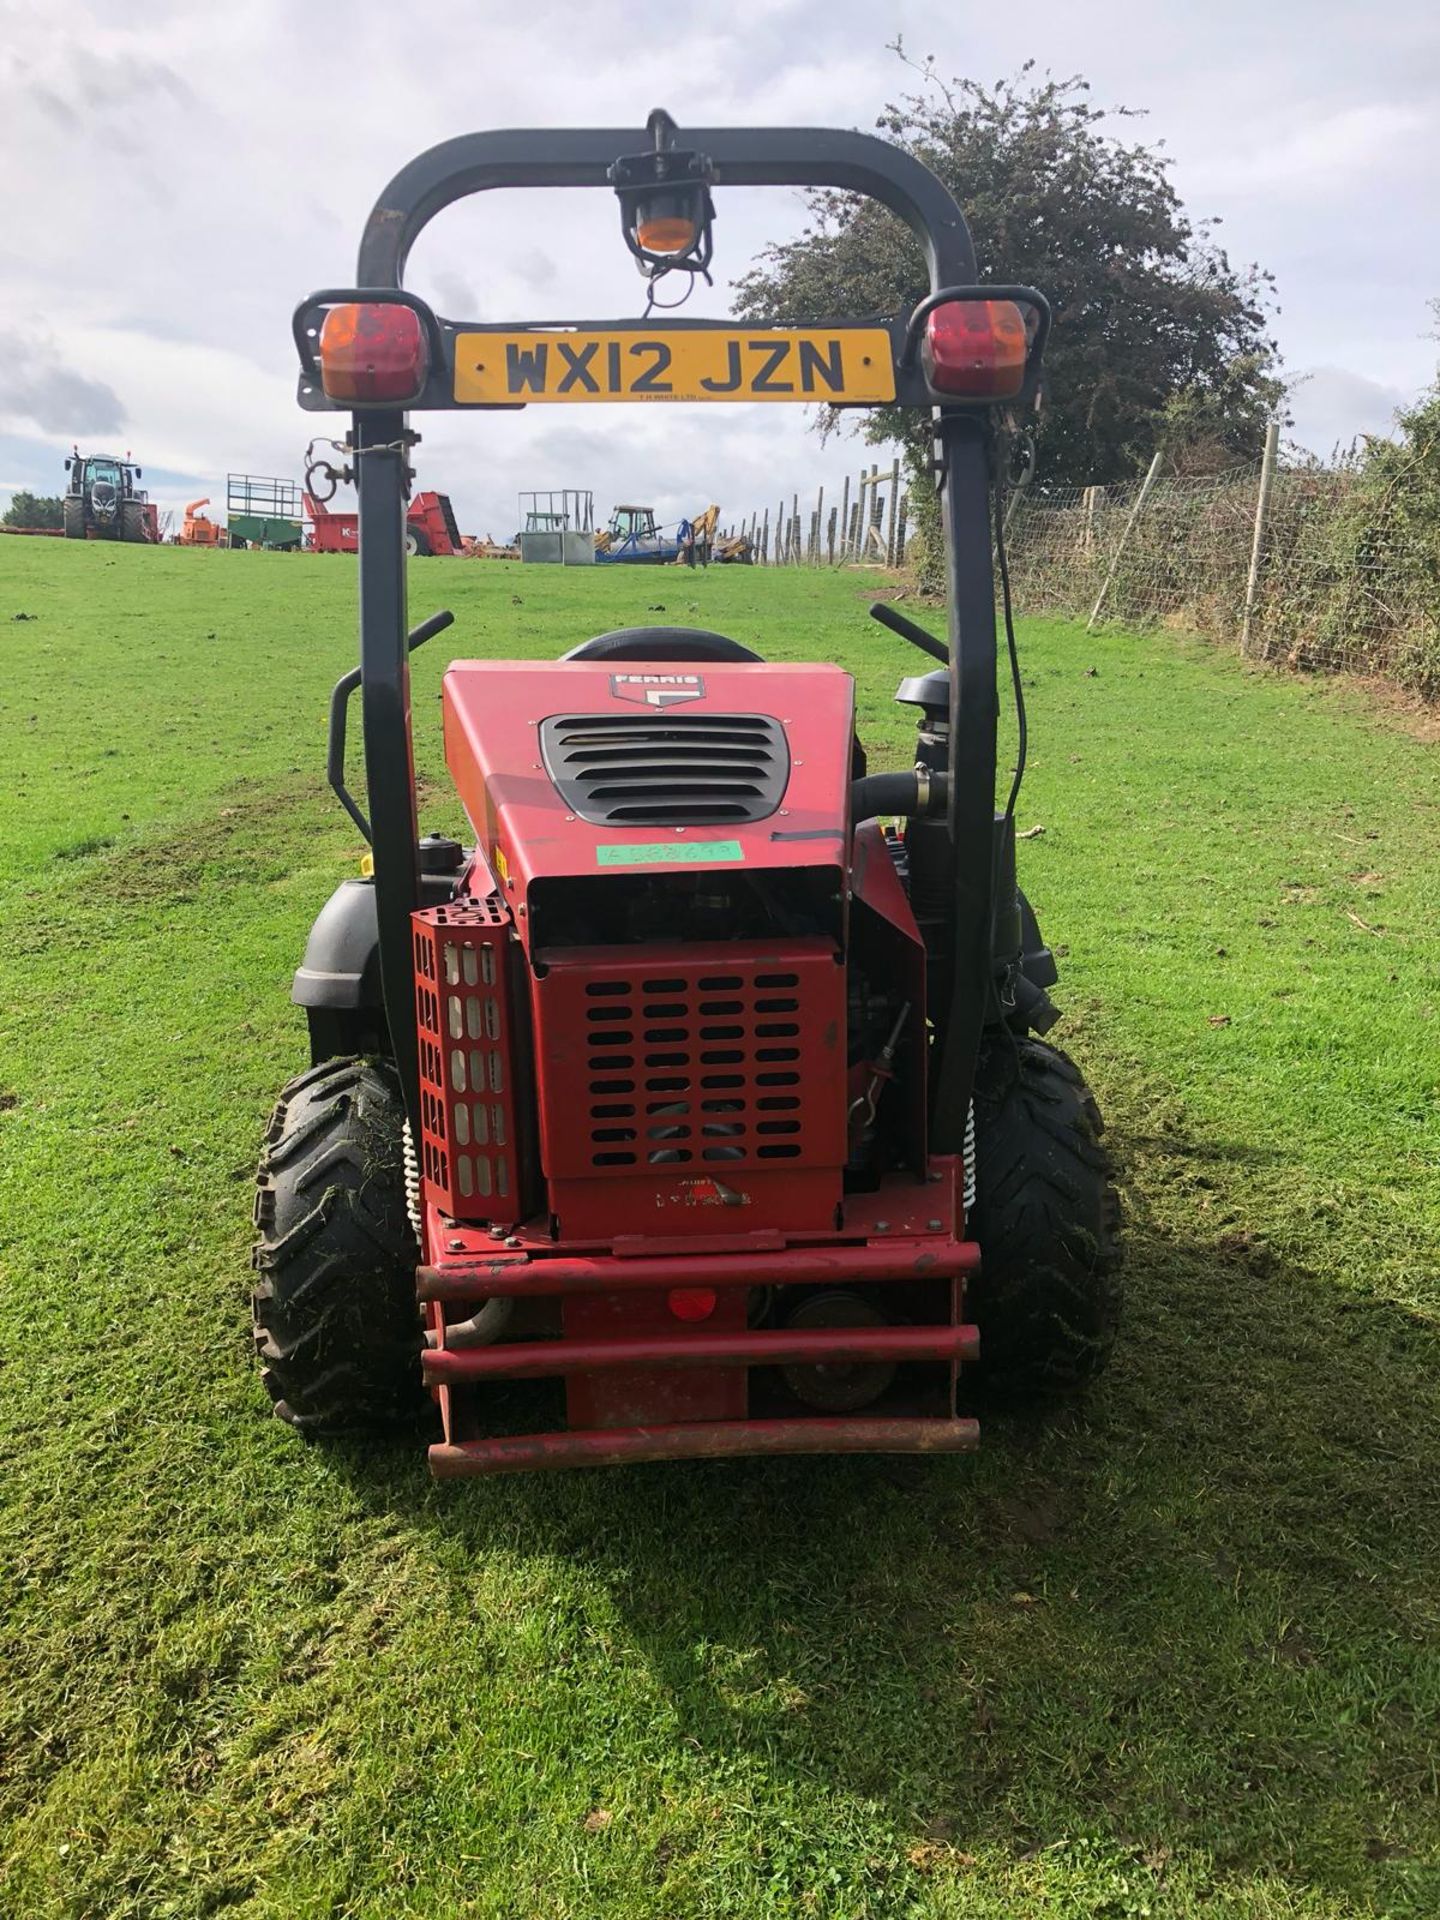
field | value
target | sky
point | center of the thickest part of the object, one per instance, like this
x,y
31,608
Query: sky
x,y
178,175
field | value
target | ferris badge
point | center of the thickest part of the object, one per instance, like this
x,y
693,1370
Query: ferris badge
x,y
657,689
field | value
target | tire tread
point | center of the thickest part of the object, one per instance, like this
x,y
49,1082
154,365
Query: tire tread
x,y
336,1325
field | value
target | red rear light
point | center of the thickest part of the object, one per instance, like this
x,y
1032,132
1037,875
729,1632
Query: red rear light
x,y
373,353
692,1303
976,349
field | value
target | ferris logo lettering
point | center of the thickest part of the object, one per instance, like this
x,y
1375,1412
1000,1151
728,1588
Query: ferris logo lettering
x,y
657,689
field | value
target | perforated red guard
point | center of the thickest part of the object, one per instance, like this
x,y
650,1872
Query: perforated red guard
x,y
468,1129
691,1092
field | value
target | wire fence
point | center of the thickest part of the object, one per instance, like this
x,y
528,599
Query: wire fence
x,y
1304,566
1300,566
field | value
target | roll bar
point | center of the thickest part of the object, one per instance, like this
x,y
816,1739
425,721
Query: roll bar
x,y
742,157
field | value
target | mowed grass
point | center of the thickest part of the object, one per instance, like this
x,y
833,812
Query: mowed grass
x,y
1172,1653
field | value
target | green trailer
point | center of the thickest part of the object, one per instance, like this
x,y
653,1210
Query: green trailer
x,y
262,511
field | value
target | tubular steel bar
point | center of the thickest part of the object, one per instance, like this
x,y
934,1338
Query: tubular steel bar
x,y
742,157
379,440
699,1440
693,1347
963,444
481,1279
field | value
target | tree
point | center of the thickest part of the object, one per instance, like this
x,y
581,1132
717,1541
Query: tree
x,y
34,510
1156,337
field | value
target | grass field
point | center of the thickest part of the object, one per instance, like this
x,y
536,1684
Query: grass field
x,y
1176,1652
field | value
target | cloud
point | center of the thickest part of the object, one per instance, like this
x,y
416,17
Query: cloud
x,y
38,389
1317,155
1333,406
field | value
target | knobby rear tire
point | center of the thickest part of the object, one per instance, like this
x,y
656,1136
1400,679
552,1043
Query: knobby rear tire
x,y
1047,1217
337,1329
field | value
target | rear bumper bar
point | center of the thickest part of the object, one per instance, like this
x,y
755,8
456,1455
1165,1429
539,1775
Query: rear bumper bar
x,y
692,1347
482,1278
700,1440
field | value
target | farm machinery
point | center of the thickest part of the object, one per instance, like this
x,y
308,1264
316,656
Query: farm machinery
x,y
197,529
634,538
264,511
703,1087
557,527
103,502
707,543
429,519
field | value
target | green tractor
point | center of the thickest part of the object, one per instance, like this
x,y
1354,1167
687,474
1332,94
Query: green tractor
x,y
102,501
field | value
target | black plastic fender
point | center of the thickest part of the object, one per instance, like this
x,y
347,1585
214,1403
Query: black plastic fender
x,y
338,981
341,967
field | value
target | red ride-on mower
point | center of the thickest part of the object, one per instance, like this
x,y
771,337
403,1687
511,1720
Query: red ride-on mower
x,y
689,1088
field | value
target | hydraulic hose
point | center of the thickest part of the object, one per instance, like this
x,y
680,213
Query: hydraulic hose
x,y
908,795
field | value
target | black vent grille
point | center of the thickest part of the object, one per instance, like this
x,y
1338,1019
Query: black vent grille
x,y
667,770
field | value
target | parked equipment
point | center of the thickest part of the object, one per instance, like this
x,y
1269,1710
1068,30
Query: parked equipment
x,y
707,543
264,510
102,501
429,521
197,530
557,527
481,547
689,1084
634,539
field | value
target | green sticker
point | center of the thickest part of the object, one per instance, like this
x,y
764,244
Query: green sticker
x,y
668,853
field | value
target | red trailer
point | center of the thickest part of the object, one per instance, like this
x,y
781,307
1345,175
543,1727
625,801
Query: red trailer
x,y
429,526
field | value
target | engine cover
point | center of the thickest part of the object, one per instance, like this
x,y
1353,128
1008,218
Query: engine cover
x,y
755,773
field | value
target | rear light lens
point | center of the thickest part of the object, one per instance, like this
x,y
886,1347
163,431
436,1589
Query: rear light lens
x,y
375,352
673,234
692,1303
976,349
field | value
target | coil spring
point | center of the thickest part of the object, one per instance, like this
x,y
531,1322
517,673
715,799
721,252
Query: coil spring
x,y
970,1158
412,1181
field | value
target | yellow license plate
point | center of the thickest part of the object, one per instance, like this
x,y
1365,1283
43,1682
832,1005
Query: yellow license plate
x,y
804,364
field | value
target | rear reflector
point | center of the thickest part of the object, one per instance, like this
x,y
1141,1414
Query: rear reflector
x,y
374,352
692,1303
976,349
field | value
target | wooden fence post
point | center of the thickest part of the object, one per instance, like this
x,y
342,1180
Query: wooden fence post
x,y
894,507
844,514
900,531
1257,545
1087,518
830,538
1140,499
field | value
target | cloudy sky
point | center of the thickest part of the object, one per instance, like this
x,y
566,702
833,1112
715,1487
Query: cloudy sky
x,y
177,175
